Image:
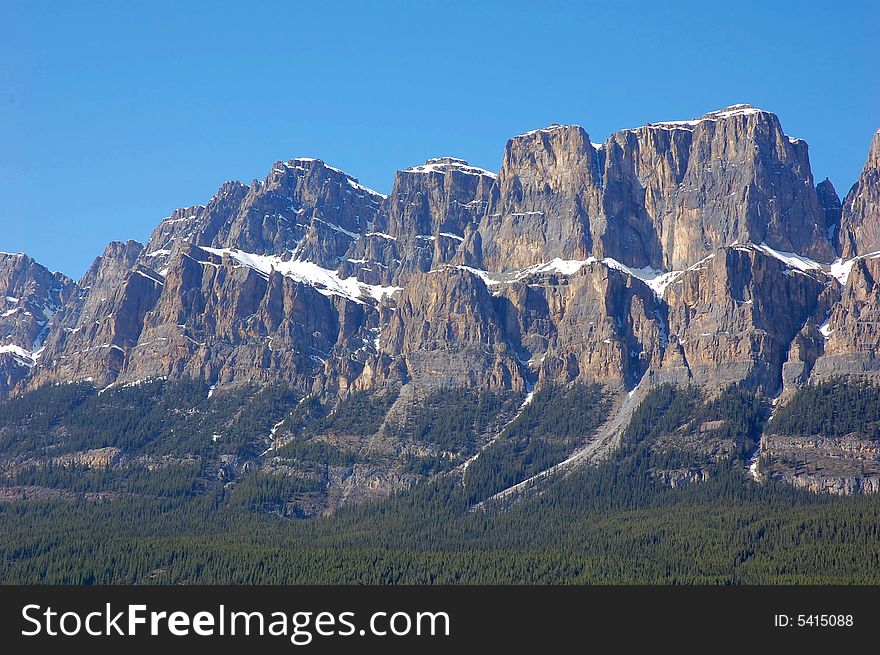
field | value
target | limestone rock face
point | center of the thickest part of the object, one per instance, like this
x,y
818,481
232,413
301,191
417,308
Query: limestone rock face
x,y
303,207
423,222
734,316
30,295
95,329
546,191
829,202
445,332
860,225
224,322
676,191
598,324
852,330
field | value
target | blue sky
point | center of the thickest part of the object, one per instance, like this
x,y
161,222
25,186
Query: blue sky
x,y
114,113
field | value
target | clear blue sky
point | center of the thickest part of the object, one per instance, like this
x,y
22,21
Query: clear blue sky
x,y
114,113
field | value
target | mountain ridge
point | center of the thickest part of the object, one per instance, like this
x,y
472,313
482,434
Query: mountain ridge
x,y
695,252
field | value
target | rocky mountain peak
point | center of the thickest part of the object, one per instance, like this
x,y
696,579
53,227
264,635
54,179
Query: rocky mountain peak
x,y
448,164
674,191
860,224
874,152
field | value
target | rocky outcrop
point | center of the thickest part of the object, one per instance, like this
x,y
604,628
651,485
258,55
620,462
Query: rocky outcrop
x,y
860,225
546,192
852,330
226,322
95,329
676,191
733,317
597,324
445,332
829,203
30,296
303,208
840,465
431,211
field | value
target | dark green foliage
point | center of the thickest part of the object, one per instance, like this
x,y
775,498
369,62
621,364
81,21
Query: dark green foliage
x,y
269,491
664,410
596,526
360,413
317,452
156,418
547,429
173,481
744,413
833,408
610,523
453,419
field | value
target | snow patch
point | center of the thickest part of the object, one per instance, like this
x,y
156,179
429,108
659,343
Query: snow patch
x,y
325,281
444,165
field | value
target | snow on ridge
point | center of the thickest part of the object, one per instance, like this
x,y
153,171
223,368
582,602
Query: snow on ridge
x,y
838,269
550,128
21,355
352,181
657,279
727,112
480,273
325,281
841,268
444,165
556,265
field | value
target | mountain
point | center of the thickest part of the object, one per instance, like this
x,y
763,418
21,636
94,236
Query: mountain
x,y
697,253
31,296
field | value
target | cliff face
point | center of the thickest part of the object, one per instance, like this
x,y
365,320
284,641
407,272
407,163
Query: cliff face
x,y
30,296
546,192
860,224
851,334
304,207
676,191
222,321
95,328
424,222
734,316
695,252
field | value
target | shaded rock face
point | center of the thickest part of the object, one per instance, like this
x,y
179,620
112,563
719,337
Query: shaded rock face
x,y
223,322
860,224
829,203
303,207
674,192
852,331
445,332
96,328
30,296
423,223
597,325
733,317
548,188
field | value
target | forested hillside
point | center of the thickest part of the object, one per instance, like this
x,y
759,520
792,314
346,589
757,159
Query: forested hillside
x,y
180,508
